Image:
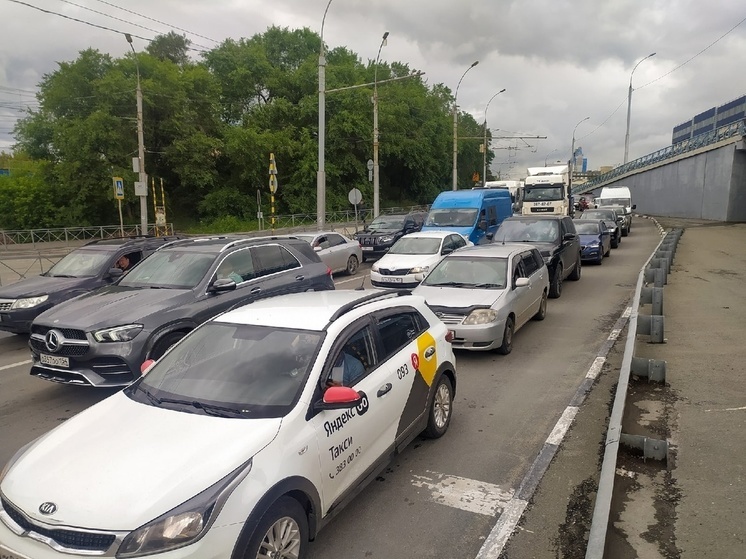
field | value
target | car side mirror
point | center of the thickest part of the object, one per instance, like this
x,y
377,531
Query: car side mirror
x,y
115,273
634,206
521,282
490,235
222,285
569,237
317,248
339,398
446,251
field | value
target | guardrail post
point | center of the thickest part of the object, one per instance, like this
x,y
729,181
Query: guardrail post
x,y
651,325
652,369
651,448
656,276
654,296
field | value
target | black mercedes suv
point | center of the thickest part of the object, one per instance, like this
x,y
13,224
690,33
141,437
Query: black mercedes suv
x,y
378,237
555,237
102,338
80,271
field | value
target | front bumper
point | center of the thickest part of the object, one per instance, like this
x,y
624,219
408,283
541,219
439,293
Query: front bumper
x,y
18,321
591,253
475,337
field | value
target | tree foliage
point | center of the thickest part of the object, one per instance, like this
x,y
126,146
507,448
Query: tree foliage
x,y
210,125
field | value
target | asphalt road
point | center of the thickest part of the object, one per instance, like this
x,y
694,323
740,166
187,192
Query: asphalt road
x,y
439,498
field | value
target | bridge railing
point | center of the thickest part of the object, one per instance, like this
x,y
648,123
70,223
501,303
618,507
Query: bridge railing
x,y
697,142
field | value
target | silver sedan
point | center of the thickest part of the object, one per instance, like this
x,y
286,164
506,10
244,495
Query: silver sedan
x,y
340,253
487,292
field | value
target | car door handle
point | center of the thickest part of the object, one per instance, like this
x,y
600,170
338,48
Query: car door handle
x,y
300,278
384,389
256,290
429,352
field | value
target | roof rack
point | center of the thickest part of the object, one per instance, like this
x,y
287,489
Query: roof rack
x,y
125,237
254,239
186,240
347,307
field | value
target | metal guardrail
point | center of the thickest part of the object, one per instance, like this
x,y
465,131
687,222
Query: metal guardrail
x,y
73,234
653,272
692,144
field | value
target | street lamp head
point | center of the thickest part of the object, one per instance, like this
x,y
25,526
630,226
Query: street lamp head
x,y
474,63
385,36
128,37
502,90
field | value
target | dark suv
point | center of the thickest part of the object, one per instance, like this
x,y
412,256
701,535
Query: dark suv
x,y
82,270
556,239
378,237
101,339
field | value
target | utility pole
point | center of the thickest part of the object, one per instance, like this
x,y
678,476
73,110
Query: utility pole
x,y
142,191
376,175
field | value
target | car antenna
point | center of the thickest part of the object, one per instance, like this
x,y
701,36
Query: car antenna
x,y
362,286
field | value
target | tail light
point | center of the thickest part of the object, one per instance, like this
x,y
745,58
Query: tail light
x,y
450,335
328,271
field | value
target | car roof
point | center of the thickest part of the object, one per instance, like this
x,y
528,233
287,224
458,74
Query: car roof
x,y
312,310
435,233
533,217
134,241
492,250
221,243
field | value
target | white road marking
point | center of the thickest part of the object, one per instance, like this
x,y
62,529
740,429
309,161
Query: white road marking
x,y
730,409
465,494
614,334
562,425
15,364
627,312
596,367
503,529
356,278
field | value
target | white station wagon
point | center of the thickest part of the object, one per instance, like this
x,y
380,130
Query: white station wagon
x,y
243,439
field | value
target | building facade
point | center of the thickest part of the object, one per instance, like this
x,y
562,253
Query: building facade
x,y
711,119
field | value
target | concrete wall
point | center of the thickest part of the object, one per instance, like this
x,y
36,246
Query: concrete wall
x,y
710,185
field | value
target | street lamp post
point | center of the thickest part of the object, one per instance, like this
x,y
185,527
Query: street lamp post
x,y
547,157
484,155
143,178
629,107
376,176
455,127
321,174
572,150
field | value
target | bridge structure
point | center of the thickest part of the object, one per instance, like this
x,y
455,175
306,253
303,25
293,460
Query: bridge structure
x,y
703,177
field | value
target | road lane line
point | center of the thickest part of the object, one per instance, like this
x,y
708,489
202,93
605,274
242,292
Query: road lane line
x,y
465,494
15,364
508,521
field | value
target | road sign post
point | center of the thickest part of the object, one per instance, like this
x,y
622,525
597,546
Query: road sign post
x,y
119,196
272,186
355,197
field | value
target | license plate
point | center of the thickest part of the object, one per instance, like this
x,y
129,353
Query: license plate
x,y
367,248
54,360
386,279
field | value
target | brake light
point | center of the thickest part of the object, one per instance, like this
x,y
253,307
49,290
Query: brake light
x,y
328,271
450,335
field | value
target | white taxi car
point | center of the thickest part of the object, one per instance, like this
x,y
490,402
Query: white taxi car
x,y
412,256
242,439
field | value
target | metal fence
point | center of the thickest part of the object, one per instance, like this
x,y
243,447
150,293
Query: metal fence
x,y
649,290
730,131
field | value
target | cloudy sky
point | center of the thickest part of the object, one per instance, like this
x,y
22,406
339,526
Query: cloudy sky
x,y
559,60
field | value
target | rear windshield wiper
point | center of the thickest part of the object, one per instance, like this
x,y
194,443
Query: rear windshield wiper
x,y
210,409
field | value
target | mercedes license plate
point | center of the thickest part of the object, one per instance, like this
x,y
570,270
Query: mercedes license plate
x,y
388,279
54,360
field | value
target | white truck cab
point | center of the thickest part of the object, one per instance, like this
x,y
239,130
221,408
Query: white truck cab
x,y
618,196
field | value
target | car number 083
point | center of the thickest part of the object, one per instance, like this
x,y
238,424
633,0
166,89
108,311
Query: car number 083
x,y
402,371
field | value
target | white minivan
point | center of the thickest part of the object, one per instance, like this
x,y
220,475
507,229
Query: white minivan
x,y
618,196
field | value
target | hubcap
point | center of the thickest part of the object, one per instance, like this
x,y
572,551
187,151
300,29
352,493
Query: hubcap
x,y
352,265
282,540
442,406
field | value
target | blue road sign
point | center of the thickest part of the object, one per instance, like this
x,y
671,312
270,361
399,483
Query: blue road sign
x,y
118,188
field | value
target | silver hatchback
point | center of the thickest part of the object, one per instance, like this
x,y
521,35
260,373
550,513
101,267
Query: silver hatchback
x,y
487,292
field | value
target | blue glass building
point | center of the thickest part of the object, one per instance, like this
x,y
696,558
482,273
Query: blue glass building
x,y
711,119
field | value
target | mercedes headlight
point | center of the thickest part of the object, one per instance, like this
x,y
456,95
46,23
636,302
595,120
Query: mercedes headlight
x,y
118,333
481,316
29,302
184,524
419,269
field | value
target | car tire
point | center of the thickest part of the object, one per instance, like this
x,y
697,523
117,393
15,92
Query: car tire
x,y
352,265
507,344
608,252
163,345
614,243
541,314
625,232
575,275
555,285
441,409
282,532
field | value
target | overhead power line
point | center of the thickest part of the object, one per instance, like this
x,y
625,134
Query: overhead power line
x,y
157,21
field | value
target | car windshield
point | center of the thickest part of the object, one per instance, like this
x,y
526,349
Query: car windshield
x,y
528,230
586,227
232,369
172,269
614,201
599,214
466,272
452,217
387,223
542,193
81,263
416,245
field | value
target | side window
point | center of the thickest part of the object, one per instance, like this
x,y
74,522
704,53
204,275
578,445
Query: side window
x,y
569,225
335,240
398,330
458,241
529,264
323,242
128,260
492,215
518,271
409,224
354,360
238,266
538,259
448,244
271,259
603,226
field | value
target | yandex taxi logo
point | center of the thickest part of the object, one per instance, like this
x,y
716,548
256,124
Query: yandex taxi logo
x,y
427,357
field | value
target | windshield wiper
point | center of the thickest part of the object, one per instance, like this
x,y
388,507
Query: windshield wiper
x,y
62,276
488,285
450,284
210,409
153,398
